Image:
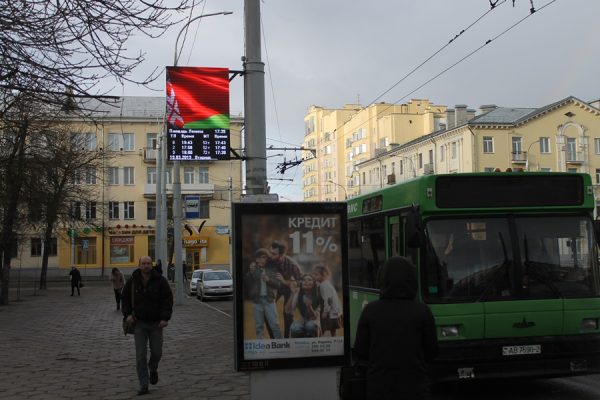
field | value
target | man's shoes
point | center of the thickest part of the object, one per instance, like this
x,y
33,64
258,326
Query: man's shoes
x,y
143,390
154,377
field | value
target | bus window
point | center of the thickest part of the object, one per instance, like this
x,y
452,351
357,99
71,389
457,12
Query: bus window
x,y
395,240
366,250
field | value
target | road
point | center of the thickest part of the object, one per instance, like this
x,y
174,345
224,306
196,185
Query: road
x,y
574,388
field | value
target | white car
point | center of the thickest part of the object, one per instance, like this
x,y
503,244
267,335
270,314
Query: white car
x,y
194,281
214,283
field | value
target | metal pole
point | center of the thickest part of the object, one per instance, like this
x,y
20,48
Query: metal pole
x,y
177,245
158,193
254,99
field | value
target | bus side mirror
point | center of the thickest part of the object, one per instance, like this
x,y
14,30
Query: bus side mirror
x,y
597,231
415,235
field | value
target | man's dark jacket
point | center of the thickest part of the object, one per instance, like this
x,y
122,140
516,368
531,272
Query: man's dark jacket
x,y
396,336
153,302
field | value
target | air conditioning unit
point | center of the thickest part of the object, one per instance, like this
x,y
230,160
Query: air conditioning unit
x,y
391,179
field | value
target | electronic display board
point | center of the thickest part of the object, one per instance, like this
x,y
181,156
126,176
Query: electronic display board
x,y
197,114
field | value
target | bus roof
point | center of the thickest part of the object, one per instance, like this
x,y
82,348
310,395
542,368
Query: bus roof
x,y
484,192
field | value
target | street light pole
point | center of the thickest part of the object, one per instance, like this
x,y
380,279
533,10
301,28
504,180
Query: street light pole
x,y
343,188
177,245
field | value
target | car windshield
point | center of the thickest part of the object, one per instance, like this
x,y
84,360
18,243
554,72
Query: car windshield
x,y
217,276
475,259
196,274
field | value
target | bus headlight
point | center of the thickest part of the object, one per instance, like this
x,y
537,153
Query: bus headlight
x,y
449,330
589,324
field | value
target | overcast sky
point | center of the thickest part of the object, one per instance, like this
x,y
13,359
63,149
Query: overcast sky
x,y
333,52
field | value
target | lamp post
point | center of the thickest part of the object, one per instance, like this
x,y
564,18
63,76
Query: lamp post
x,y
527,155
343,188
177,245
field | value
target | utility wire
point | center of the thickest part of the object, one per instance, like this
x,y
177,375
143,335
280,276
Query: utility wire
x,y
492,7
270,78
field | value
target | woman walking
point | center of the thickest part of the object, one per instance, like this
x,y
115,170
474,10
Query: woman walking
x,y
118,281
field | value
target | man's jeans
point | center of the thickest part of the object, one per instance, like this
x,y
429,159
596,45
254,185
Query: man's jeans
x,y
147,332
264,310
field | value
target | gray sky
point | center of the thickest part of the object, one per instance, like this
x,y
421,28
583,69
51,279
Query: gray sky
x,y
333,52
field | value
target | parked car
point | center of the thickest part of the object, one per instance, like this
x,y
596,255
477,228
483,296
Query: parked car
x,y
194,281
214,283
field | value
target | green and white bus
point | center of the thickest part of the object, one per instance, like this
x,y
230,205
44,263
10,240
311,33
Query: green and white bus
x,y
508,264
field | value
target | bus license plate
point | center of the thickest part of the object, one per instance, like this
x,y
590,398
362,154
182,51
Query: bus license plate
x,y
521,350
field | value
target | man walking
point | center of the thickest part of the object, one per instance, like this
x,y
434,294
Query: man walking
x,y
75,276
150,312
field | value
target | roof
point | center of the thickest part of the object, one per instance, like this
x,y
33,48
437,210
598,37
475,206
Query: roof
x,y
127,106
502,115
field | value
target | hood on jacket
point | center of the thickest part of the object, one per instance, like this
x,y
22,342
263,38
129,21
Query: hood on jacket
x,y
398,279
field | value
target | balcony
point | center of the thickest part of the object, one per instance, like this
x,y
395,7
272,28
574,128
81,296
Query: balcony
x,y
149,154
519,157
203,189
575,157
428,169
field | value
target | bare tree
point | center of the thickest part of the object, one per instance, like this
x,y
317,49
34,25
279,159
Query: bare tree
x,y
48,46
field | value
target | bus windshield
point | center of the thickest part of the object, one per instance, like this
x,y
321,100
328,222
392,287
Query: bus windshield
x,y
501,258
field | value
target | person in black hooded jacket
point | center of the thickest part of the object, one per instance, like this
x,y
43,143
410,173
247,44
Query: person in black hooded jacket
x,y
396,336
151,311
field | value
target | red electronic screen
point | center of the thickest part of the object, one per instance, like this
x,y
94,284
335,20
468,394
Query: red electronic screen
x,y
197,113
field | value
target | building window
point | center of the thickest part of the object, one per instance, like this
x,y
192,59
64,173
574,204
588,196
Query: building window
x,y
205,209
597,176
76,210
545,169
572,170
571,149
128,176
85,252
454,150
151,175
151,142
517,145
113,210
544,145
488,169
420,160
401,167
188,175
203,175
442,153
128,210
128,142
36,247
488,144
597,146
90,176
151,210
90,210
113,142
121,249
113,175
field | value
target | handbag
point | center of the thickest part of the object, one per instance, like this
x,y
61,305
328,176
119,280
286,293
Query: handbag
x,y
81,284
127,327
353,382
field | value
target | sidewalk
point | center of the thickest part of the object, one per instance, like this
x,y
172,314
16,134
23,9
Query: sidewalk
x,y
54,346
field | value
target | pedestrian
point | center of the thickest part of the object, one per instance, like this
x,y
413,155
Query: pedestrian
x,y
75,276
150,312
184,269
159,267
118,281
171,272
291,273
396,336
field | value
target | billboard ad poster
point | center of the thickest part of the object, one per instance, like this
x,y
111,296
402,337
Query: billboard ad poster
x,y
192,206
197,113
291,285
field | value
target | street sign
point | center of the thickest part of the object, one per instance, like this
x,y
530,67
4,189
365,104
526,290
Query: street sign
x,y
85,244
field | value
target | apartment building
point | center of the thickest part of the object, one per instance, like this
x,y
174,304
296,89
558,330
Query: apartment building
x,y
120,225
563,136
343,138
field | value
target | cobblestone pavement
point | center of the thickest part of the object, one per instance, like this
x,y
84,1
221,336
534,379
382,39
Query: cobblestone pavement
x,y
54,346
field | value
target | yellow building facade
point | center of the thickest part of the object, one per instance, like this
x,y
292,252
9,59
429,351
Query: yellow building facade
x,y
346,137
561,137
120,225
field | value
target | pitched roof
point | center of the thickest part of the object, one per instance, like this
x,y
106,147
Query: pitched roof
x,y
126,106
